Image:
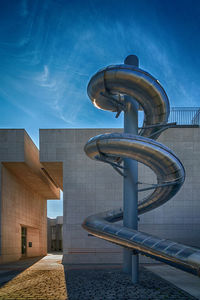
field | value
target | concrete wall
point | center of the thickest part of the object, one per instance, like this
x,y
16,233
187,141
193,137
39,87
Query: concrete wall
x,y
35,236
90,187
21,207
0,211
23,193
179,218
55,234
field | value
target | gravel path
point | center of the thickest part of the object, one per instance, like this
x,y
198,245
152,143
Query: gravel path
x,y
115,285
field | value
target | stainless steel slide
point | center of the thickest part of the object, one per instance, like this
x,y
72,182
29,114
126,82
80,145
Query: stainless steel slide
x,y
106,89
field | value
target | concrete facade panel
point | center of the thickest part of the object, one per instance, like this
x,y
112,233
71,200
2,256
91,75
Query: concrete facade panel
x,y
90,187
21,208
24,190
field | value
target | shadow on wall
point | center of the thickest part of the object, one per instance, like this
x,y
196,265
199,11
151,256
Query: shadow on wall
x,y
11,270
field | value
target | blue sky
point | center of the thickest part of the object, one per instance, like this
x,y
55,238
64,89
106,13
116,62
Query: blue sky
x,y
49,50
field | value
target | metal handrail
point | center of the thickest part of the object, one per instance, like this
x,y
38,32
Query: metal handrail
x,y
185,115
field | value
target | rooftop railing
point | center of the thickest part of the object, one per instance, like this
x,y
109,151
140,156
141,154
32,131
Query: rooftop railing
x,y
185,115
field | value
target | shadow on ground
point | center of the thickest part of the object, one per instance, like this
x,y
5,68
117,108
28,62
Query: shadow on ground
x,y
10,270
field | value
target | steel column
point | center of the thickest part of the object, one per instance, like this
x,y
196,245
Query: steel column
x,y
130,219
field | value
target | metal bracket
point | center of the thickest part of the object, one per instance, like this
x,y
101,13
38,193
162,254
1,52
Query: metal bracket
x,y
103,158
115,166
164,127
154,186
159,125
120,106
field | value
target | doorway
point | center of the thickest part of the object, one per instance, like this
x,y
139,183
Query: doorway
x,y
24,240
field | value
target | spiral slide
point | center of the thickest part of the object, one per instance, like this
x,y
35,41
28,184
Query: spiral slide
x,y
107,90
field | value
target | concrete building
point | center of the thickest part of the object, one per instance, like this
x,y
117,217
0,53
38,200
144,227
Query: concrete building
x,y
55,234
25,187
90,187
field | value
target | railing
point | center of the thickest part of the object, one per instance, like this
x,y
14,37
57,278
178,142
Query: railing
x,y
185,115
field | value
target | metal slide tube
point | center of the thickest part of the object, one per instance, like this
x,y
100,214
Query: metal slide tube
x,y
106,90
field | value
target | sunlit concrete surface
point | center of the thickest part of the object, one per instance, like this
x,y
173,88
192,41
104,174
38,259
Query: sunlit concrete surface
x,y
24,190
181,279
91,187
45,279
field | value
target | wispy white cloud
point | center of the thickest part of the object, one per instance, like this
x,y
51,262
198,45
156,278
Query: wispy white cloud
x,y
24,8
7,95
48,64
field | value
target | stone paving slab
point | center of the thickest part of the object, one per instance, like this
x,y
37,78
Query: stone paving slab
x,y
183,280
36,284
43,280
48,279
10,270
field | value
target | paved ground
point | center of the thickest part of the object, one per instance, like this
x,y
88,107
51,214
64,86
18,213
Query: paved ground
x,y
9,271
47,279
183,280
43,280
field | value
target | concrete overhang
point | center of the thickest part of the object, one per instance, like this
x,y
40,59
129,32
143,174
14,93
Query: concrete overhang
x,y
55,170
19,154
52,152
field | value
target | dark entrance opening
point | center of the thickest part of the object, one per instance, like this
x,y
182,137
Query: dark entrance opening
x,y
24,240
